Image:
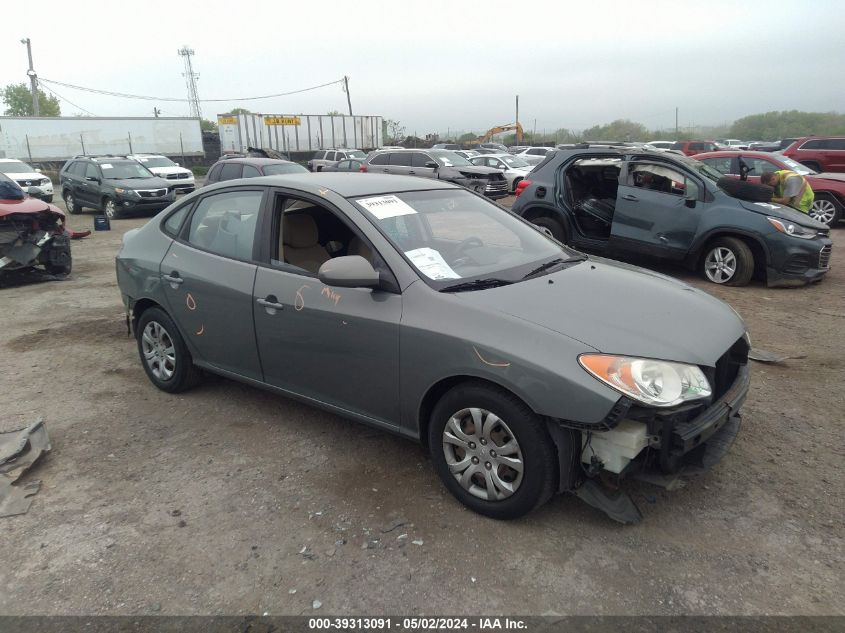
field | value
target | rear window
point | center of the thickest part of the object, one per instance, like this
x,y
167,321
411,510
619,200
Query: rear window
x,y
401,159
380,159
834,143
231,171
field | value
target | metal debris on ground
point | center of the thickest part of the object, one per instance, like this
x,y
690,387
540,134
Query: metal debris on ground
x,y
764,356
19,450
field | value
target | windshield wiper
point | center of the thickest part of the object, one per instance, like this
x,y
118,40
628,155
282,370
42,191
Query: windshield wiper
x,y
476,284
552,263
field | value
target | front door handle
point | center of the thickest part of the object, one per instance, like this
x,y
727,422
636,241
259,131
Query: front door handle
x,y
271,304
630,198
411,173
173,278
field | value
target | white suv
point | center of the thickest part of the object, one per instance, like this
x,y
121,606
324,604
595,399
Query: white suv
x,y
27,176
182,179
325,157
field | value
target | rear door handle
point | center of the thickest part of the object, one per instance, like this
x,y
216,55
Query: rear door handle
x,y
411,173
630,198
271,303
173,278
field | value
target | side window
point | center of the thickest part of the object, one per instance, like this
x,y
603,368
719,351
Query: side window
x,y
380,159
696,145
319,155
418,159
225,223
77,168
401,159
214,174
722,165
251,172
477,160
814,144
91,171
231,171
758,166
834,143
330,156
662,179
173,223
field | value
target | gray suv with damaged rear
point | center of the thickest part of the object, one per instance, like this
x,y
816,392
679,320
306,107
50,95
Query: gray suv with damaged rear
x,y
423,309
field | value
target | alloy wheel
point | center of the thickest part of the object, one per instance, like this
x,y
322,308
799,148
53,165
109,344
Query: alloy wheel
x,y
823,210
482,454
69,202
720,265
110,209
159,351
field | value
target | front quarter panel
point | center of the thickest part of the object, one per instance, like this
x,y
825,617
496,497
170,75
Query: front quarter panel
x,y
442,337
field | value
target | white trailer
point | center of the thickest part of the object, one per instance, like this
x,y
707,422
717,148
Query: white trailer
x,y
58,138
298,132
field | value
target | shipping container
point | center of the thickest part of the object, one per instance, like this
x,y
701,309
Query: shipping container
x,y
58,138
298,132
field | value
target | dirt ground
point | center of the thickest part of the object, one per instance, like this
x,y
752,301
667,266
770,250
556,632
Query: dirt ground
x,y
231,500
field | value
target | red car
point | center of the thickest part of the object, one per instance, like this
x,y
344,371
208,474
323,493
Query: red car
x,y
820,153
691,148
829,188
32,233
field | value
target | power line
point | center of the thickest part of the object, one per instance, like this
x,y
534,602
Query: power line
x,y
149,98
56,94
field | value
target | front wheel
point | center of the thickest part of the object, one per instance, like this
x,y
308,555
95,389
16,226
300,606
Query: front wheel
x,y
728,261
111,209
163,352
826,210
491,451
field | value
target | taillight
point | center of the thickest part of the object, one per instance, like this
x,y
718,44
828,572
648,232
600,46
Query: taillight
x,y
521,185
363,169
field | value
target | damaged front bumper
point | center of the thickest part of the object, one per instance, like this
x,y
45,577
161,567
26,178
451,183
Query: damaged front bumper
x,y
24,246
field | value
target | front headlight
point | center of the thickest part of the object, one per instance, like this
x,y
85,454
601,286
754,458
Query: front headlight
x,y
126,193
789,228
654,382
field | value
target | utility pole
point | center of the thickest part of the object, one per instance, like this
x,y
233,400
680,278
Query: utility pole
x,y
33,78
191,81
518,138
156,112
676,123
346,90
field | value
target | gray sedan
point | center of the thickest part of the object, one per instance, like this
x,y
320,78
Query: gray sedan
x,y
423,309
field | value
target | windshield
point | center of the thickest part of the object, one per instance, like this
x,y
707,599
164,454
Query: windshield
x,y
513,161
158,161
702,169
449,159
453,235
125,169
798,168
356,154
16,168
283,168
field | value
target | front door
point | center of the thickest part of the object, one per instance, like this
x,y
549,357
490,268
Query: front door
x,y
88,187
657,211
208,278
339,346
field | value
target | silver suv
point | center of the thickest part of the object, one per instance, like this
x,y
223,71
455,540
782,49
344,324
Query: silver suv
x,y
325,157
441,164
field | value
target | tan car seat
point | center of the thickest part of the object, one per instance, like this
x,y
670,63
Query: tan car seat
x,y
300,235
358,247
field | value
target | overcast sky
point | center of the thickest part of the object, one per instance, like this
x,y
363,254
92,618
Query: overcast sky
x,y
435,65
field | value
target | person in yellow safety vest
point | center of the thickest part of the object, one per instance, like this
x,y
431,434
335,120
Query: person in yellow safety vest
x,y
790,188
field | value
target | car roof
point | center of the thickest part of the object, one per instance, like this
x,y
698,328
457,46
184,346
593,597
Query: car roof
x,y
724,153
344,184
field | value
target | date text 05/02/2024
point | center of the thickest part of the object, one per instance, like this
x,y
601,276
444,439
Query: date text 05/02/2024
x,y
416,624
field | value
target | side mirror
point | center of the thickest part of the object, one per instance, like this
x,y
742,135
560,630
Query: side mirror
x,y
178,165
350,271
35,192
431,164
690,201
92,178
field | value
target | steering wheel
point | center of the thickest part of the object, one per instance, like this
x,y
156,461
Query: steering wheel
x,y
462,246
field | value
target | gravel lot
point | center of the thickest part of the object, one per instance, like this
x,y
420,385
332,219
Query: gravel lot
x,y
231,500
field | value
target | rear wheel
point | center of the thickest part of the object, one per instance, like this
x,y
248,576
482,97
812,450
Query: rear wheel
x,y
71,204
551,227
491,451
163,352
825,209
515,183
728,261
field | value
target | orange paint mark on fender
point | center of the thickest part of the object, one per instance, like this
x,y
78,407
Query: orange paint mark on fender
x,y
487,362
189,301
299,302
201,330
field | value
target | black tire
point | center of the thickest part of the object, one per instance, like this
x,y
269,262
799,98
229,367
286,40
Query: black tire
x,y
823,205
744,190
48,199
184,374
813,165
539,477
70,202
515,183
111,209
553,226
742,256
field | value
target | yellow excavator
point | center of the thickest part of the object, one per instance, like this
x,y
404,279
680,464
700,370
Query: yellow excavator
x,y
496,130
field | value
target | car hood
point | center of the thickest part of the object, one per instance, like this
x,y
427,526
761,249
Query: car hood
x,y
138,183
784,213
34,176
173,169
28,205
621,309
827,175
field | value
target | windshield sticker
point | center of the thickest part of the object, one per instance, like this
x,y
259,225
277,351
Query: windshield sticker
x,y
431,264
383,207
144,160
107,166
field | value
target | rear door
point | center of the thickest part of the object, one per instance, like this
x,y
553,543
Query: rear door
x,y
652,215
400,163
208,275
833,154
380,163
88,187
